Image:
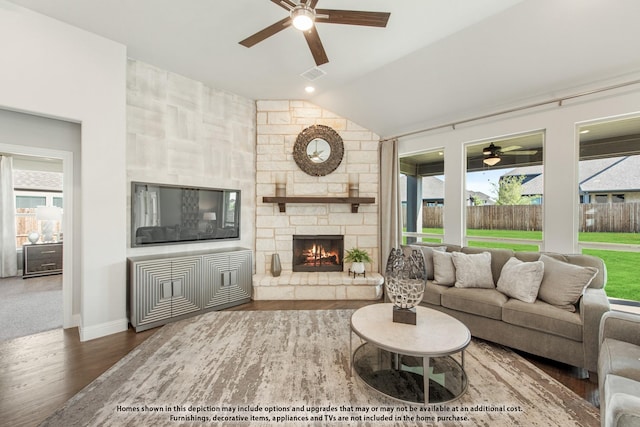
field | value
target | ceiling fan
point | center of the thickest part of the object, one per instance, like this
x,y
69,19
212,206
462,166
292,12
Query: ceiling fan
x,y
492,153
304,16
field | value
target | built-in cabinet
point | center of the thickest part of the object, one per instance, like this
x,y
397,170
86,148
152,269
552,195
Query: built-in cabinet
x,y
169,287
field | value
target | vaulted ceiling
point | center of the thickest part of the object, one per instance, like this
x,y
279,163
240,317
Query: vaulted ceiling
x,y
436,61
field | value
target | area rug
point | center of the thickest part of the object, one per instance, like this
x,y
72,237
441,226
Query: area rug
x,y
291,368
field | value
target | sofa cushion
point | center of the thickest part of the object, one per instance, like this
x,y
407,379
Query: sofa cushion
x,y
473,270
543,317
444,272
483,302
521,280
620,403
427,252
619,358
433,293
499,258
563,283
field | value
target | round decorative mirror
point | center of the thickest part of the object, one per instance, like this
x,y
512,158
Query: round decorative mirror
x,y
318,150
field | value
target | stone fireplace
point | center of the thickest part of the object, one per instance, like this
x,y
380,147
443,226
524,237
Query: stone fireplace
x,y
278,124
318,253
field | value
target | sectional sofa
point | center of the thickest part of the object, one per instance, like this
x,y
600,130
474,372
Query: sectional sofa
x,y
546,304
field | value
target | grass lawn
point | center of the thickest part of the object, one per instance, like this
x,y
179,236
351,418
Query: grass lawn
x,y
622,267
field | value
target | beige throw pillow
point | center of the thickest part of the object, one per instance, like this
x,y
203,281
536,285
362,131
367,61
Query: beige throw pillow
x,y
444,272
473,270
563,284
521,280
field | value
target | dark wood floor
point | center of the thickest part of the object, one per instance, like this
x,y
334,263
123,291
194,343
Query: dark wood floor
x,y
39,373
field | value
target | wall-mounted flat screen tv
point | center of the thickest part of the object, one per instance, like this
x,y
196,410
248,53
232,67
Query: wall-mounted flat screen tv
x,y
165,214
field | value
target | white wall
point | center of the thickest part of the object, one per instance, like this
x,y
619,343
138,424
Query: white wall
x,y
55,70
560,228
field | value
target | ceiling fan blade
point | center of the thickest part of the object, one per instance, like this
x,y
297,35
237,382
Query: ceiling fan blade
x,y
285,4
312,3
317,50
512,147
520,153
352,17
267,32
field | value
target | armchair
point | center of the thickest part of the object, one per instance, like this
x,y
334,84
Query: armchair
x,y
619,369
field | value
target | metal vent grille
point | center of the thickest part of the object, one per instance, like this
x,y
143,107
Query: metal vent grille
x,y
313,74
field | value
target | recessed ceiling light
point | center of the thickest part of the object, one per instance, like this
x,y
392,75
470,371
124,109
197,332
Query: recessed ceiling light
x,y
309,89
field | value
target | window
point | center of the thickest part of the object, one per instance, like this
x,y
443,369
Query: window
x,y
26,204
609,208
504,192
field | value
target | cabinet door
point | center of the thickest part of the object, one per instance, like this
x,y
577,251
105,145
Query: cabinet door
x,y
241,278
166,289
185,286
215,267
227,277
152,302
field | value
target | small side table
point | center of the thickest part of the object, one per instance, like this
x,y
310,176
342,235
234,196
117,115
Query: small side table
x,y
41,259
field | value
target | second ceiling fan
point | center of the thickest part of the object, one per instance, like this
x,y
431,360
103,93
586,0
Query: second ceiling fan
x,y
304,16
493,153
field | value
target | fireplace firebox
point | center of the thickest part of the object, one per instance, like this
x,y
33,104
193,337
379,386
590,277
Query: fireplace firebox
x,y
317,252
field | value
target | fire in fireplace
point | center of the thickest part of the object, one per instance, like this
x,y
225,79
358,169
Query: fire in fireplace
x,y
317,253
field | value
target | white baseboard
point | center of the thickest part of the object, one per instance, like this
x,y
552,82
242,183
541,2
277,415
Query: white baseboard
x,y
96,331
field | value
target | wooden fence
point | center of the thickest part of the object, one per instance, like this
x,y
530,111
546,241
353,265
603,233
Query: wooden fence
x,y
597,217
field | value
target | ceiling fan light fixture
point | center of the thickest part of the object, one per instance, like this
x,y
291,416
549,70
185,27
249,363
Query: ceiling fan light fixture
x,y
302,17
492,160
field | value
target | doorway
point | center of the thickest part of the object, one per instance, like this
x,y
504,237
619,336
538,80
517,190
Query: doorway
x,y
65,161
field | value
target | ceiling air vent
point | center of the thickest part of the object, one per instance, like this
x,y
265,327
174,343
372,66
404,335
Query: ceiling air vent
x,y
313,74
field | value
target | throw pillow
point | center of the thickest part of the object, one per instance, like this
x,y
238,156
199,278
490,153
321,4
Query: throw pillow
x,y
521,280
444,272
427,252
473,270
563,284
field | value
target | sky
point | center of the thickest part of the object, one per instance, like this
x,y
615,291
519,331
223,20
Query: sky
x,y
481,181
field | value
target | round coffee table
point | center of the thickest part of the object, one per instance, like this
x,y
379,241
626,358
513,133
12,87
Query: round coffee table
x,y
410,363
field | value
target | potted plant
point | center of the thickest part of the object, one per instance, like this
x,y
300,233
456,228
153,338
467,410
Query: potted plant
x,y
357,258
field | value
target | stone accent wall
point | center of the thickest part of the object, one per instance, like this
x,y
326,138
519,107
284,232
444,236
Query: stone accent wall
x,y
278,125
182,132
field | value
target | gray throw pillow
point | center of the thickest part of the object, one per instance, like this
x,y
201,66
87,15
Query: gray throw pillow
x,y
427,252
521,280
473,270
563,284
444,272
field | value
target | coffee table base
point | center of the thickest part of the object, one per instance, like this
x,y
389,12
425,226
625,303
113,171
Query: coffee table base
x,y
401,377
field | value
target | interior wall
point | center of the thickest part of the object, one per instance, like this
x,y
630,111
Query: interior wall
x,y
54,70
28,131
560,228
182,132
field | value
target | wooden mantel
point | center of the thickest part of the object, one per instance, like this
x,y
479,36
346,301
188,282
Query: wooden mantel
x,y
355,202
